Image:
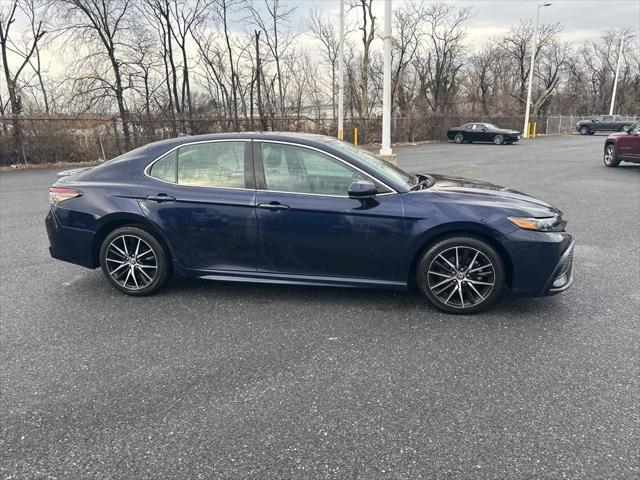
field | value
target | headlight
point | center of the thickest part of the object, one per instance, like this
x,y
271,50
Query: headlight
x,y
546,224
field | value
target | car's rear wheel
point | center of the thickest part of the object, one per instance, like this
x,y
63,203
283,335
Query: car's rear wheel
x,y
585,130
459,138
610,159
461,274
498,139
134,261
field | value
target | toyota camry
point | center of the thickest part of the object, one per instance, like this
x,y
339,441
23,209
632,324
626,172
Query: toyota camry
x,y
304,209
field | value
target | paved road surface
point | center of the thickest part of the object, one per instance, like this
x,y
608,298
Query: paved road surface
x,y
215,380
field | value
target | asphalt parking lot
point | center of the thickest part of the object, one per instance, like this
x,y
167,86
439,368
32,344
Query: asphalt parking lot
x,y
215,380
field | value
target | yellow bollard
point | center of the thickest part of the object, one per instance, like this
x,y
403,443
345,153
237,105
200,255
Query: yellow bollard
x,y
355,136
340,135
535,128
529,130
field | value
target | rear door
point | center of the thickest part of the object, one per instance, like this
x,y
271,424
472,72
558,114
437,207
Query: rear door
x,y
607,123
202,196
309,226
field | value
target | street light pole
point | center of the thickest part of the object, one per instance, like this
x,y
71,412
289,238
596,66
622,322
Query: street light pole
x,y
341,75
615,82
525,129
385,151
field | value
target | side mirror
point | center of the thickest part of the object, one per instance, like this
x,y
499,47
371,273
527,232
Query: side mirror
x,y
626,128
483,129
362,190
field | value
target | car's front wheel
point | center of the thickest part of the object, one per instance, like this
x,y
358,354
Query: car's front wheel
x,y
610,159
498,139
134,261
585,130
461,274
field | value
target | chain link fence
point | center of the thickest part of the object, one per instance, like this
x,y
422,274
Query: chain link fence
x,y
47,140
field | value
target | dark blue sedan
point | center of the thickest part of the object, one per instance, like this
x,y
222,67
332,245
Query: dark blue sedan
x,y
304,209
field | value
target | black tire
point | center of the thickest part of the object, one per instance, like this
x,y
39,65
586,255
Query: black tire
x,y
427,275
584,130
458,138
498,139
126,255
592,133
609,158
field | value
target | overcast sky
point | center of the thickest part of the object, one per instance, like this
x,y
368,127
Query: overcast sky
x,y
583,19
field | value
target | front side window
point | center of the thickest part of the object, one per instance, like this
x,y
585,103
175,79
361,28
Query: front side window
x,y
214,164
289,168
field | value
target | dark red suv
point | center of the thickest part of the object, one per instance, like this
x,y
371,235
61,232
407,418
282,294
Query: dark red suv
x,y
623,147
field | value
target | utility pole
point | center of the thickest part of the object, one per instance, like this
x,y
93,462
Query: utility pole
x,y
615,82
341,75
386,152
525,129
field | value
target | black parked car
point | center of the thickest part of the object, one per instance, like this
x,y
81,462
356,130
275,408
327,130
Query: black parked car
x,y
603,123
483,132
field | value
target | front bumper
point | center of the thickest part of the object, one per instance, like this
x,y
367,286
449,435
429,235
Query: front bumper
x,y
542,262
562,277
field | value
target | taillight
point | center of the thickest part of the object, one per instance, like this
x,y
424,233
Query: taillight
x,y
57,194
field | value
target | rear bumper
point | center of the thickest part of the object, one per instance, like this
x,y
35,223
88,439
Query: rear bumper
x,y
69,244
542,263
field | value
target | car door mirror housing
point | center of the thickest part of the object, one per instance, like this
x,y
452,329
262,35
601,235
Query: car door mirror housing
x,y
362,190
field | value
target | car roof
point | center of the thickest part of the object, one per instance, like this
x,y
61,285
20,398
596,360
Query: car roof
x,y
282,136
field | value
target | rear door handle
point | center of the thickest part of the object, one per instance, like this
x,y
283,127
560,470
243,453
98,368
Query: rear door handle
x,y
273,206
161,197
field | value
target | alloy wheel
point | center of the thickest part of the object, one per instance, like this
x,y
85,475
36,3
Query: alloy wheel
x,y
461,277
459,138
610,156
498,139
131,262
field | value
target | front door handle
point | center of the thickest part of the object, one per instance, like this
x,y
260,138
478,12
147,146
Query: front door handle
x,y
273,206
161,197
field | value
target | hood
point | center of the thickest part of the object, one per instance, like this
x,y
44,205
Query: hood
x,y
481,191
618,134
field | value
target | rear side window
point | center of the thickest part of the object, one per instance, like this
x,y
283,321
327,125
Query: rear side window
x,y
165,168
214,164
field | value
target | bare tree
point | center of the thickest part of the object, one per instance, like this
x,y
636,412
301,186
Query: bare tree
x,y
104,22
277,40
438,69
323,29
516,45
12,78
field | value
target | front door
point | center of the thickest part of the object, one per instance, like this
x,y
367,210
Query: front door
x,y
202,197
309,226
629,143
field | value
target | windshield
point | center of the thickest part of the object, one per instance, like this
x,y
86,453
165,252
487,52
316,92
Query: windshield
x,y
635,128
491,125
377,164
